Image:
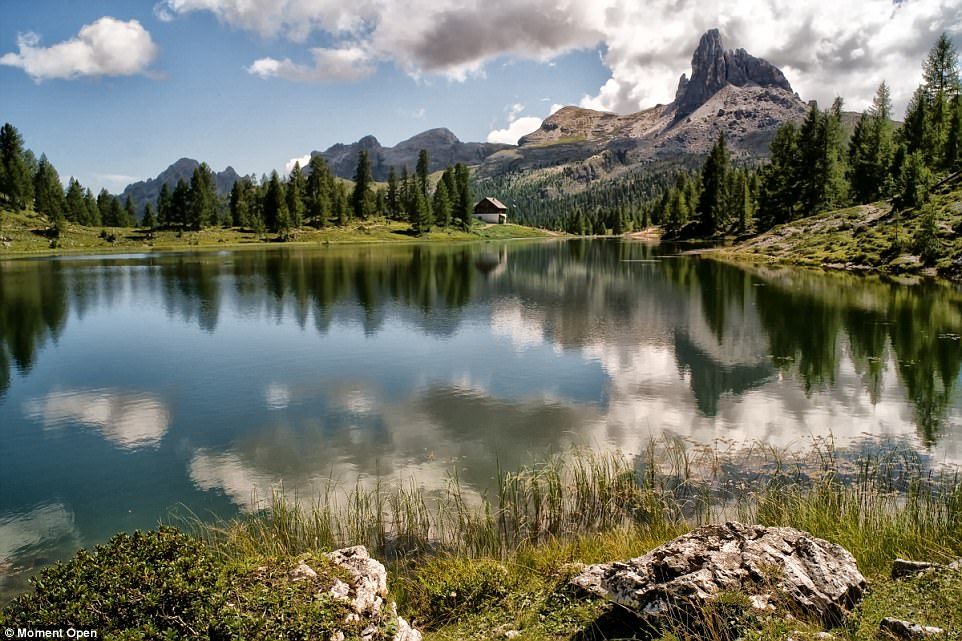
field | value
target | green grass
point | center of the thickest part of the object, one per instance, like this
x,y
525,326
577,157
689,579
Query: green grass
x,y
23,233
864,238
464,566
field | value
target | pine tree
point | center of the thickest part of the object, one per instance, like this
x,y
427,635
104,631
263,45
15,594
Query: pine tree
x,y
75,207
778,196
926,242
441,206
92,212
203,198
422,213
361,197
164,203
296,196
463,202
393,200
342,203
320,189
179,204
712,216
275,205
130,213
422,171
914,182
871,149
940,71
150,218
48,196
952,159
16,185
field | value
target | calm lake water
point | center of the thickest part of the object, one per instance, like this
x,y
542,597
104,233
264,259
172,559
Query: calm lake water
x,y
130,385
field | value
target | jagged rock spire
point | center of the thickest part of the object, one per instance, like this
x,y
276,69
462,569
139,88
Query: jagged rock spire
x,y
713,67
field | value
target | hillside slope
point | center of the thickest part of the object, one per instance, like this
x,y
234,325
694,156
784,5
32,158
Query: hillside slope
x,y
865,238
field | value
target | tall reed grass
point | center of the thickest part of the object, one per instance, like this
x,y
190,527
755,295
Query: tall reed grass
x,y
880,505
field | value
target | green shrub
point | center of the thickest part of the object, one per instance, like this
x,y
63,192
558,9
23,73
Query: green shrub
x,y
165,585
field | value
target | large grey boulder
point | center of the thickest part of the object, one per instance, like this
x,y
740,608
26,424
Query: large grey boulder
x,y
770,565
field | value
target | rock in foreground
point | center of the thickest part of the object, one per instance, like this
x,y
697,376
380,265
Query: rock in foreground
x,y
771,565
366,591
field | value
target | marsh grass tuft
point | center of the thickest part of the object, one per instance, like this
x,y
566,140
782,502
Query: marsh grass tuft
x,y
879,506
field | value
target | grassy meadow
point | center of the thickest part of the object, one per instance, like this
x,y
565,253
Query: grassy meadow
x,y
26,233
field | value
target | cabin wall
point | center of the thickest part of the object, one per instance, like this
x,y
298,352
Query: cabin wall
x,y
494,218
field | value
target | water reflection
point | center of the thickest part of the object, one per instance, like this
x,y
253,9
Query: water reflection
x,y
129,421
131,384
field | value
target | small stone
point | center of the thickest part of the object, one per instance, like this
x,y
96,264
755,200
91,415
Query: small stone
x,y
301,573
510,634
902,568
341,590
908,630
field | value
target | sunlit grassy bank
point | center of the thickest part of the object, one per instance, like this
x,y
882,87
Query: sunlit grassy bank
x,y
469,566
25,233
868,238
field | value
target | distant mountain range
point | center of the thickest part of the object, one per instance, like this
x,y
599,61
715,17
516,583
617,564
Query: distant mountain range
x,y
146,191
729,91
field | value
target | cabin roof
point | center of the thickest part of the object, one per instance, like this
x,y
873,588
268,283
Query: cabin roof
x,y
493,201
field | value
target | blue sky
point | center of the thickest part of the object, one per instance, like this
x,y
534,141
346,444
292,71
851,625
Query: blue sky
x,y
115,90
198,100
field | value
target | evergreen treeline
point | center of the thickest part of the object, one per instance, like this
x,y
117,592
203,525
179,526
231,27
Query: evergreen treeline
x,y
813,167
307,196
316,197
26,182
573,199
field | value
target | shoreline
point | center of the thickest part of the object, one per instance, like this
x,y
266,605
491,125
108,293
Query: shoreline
x,y
27,241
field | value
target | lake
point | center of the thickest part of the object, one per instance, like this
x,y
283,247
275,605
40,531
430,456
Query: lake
x,y
134,385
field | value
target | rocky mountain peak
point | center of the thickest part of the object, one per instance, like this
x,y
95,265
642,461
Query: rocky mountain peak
x,y
713,67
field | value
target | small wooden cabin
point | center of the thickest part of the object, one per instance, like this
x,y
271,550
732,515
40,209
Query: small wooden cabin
x,y
491,210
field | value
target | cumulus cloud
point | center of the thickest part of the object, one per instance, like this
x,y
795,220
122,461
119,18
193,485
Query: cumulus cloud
x,y
518,125
301,160
824,47
343,64
128,420
106,47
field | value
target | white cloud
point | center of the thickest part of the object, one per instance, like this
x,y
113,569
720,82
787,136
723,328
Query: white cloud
x,y
129,421
302,160
106,47
823,46
330,65
515,130
518,125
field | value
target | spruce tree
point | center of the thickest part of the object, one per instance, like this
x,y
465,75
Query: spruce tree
x,y
422,171
180,204
422,216
914,182
275,205
393,200
712,215
48,197
463,203
150,218
75,206
16,185
164,202
296,196
441,206
130,213
92,212
320,191
203,198
361,197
